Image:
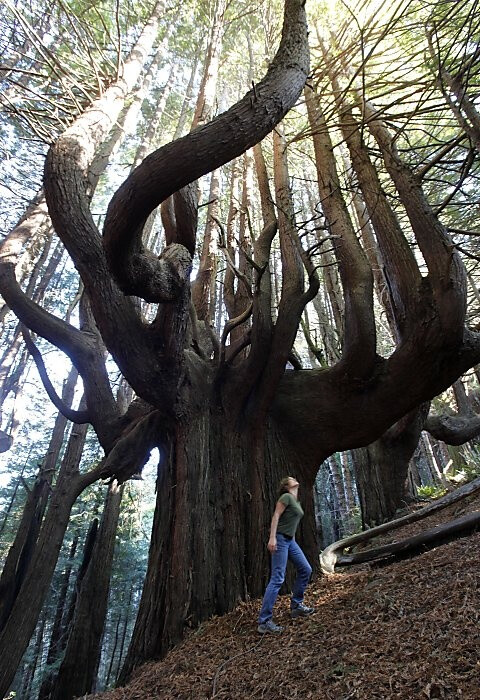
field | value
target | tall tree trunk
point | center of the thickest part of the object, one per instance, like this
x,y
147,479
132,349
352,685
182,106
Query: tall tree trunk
x,y
56,644
23,547
124,635
23,618
78,670
27,681
339,488
204,283
113,650
203,289
347,478
381,469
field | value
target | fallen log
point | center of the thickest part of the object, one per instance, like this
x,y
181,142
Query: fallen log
x,y
440,534
332,554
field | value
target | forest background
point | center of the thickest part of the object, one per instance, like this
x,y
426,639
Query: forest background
x,y
342,249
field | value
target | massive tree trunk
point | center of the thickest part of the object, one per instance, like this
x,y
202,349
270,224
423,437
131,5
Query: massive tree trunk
x,y
216,494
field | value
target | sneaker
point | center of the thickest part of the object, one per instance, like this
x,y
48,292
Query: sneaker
x,y
269,627
301,610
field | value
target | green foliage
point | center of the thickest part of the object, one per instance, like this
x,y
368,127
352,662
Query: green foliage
x,y
431,491
468,467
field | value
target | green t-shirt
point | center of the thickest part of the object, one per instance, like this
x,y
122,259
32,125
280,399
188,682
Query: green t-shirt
x,y
291,516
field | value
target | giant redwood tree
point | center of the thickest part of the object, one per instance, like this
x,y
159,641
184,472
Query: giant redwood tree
x,y
227,416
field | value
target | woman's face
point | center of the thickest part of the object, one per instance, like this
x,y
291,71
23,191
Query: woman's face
x,y
292,483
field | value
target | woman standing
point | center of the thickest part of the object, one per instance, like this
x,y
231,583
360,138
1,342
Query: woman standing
x,y
282,546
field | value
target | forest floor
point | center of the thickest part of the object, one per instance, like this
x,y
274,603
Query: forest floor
x,y
405,631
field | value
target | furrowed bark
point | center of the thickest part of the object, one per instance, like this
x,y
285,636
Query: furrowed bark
x,y
381,468
204,559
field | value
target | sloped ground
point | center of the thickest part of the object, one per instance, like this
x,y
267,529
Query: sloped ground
x,y
406,631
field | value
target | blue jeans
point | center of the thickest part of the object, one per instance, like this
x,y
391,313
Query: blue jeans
x,y
286,549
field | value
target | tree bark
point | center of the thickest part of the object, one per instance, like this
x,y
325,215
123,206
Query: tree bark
x,y
381,469
23,618
56,643
78,670
23,547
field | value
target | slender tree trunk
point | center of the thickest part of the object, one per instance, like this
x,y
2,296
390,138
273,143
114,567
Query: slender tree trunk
x,y
338,497
21,623
56,644
336,473
347,479
188,96
124,635
14,495
381,469
203,289
113,650
23,547
204,283
29,675
414,481
78,670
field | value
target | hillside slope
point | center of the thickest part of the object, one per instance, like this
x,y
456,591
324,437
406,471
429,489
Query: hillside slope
x,y
400,631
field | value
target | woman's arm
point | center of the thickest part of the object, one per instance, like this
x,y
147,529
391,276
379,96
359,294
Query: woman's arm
x,y
272,542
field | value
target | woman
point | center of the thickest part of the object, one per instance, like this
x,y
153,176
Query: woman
x,y
282,546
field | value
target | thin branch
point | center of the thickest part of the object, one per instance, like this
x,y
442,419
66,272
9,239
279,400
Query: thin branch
x,y
223,246
75,416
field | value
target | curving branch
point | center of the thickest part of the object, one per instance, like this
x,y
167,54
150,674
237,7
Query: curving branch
x,y
170,168
446,272
454,430
132,449
238,273
294,297
400,267
75,416
58,332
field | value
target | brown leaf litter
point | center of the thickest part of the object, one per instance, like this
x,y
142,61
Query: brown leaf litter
x,y
403,631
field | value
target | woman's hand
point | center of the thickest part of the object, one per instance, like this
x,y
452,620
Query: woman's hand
x,y
272,544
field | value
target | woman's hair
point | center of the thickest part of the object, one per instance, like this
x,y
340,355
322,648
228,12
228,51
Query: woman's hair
x,y
283,485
